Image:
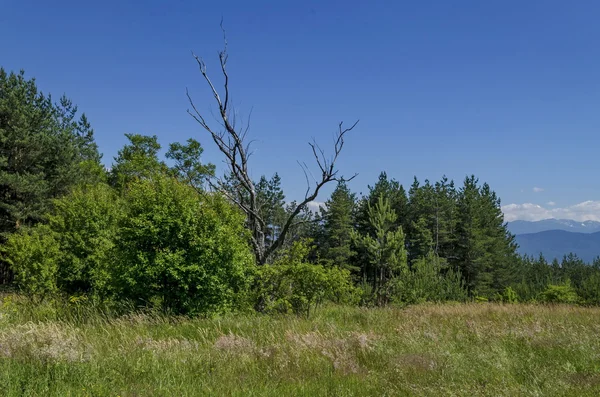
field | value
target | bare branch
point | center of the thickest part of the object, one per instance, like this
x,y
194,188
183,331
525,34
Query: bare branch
x,y
223,59
232,143
305,170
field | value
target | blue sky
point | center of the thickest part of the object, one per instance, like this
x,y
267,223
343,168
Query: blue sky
x,y
506,90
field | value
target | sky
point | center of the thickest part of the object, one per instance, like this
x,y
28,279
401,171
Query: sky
x,y
506,90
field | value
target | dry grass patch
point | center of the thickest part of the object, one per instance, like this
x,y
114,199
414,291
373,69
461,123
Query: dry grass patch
x,y
44,342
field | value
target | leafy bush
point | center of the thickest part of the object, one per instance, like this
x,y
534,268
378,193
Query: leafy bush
x,y
33,255
85,225
71,253
185,252
563,293
510,296
292,285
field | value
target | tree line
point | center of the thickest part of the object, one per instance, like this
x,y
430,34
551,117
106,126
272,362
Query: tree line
x,y
168,233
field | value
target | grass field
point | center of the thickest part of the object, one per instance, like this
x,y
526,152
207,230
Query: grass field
x,y
427,350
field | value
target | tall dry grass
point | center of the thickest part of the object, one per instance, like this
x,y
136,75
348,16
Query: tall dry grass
x,y
425,350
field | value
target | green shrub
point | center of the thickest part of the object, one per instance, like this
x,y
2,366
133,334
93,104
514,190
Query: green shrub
x,y
510,295
291,284
85,225
563,293
184,252
71,253
33,255
481,299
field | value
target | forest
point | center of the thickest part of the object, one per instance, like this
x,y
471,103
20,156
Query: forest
x,y
169,234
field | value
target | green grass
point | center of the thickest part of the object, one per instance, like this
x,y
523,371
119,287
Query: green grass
x,y
426,350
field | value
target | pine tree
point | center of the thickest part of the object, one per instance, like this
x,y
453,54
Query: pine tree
x,y
386,251
338,223
44,151
445,219
470,243
421,220
389,189
486,250
272,205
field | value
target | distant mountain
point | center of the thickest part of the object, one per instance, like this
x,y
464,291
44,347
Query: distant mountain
x,y
524,227
557,243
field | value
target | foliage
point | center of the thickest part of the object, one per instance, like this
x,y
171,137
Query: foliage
x,y
429,280
590,289
291,284
188,166
34,255
486,250
338,223
85,225
388,189
385,250
271,202
183,251
561,293
44,151
136,160
72,252
510,295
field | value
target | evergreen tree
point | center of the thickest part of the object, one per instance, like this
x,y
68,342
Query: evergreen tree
x,y
389,189
499,243
338,224
271,201
445,219
485,248
421,220
384,188
44,151
470,242
386,250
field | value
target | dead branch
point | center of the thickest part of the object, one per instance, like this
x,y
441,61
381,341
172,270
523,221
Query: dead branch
x,y
231,143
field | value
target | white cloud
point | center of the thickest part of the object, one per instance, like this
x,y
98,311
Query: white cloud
x,y
585,211
538,189
315,205
551,203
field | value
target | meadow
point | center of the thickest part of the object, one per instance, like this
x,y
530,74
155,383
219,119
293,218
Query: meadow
x,y
473,349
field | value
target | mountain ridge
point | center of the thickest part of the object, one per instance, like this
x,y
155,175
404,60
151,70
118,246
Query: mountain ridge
x,y
518,227
554,244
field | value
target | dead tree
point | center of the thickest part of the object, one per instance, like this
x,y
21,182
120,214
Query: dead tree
x,y
231,141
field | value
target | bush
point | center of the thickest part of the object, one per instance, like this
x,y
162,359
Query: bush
x,y
71,253
182,251
510,296
291,284
33,255
85,225
563,293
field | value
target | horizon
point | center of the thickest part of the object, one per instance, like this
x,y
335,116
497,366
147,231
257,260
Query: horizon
x,y
555,219
505,92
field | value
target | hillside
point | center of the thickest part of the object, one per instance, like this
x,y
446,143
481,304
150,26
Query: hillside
x,y
524,227
556,243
